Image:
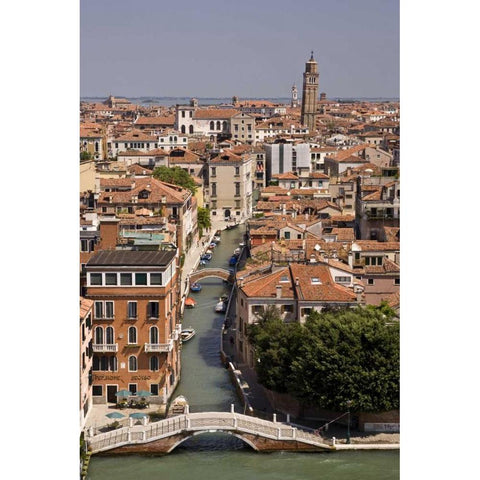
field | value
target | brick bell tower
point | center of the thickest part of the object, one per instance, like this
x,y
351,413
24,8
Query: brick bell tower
x,y
310,94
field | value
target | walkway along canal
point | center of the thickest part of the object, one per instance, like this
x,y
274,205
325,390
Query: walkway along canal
x,y
206,384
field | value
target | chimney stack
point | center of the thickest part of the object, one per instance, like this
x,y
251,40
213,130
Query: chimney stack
x,y
279,291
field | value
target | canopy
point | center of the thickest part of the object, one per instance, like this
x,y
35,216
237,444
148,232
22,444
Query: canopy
x,y
115,415
143,393
138,415
123,393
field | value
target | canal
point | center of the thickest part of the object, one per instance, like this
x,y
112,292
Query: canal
x,y
207,386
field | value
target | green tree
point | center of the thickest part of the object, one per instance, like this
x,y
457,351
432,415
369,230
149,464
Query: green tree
x,y
176,176
348,355
203,219
85,155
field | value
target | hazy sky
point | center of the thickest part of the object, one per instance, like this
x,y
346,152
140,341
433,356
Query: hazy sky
x,y
248,48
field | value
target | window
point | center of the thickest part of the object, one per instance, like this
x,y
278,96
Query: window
x,y
132,309
125,279
153,335
132,363
155,279
109,313
284,279
237,170
95,279
152,310
110,279
212,125
190,130
342,279
154,389
214,189
286,235
97,390
140,279
306,311
98,309
109,336
98,336
132,387
214,171
316,281
237,188
183,113
132,335
154,363
371,281
397,281
257,309
286,309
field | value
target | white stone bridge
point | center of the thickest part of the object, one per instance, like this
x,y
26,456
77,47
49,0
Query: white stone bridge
x,y
163,436
211,272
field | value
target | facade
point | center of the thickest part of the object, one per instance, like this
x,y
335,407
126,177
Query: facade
x,y
294,102
310,94
243,128
86,362
135,331
230,185
284,157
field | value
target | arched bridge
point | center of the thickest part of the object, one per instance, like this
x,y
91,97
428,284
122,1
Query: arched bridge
x,y
211,272
165,435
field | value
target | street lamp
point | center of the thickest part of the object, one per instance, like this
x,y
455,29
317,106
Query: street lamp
x,y
349,402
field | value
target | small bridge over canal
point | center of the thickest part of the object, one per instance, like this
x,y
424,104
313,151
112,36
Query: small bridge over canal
x,y
211,272
163,436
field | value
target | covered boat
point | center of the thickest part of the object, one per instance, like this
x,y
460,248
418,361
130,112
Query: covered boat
x,y
233,260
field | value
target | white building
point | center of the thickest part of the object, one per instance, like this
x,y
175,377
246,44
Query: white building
x,y
285,157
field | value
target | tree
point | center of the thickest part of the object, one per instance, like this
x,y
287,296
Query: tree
x,y
203,219
176,176
85,155
349,355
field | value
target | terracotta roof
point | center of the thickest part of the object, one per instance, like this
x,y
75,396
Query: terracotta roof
x,y
85,306
169,120
227,156
286,176
376,246
136,136
265,285
326,290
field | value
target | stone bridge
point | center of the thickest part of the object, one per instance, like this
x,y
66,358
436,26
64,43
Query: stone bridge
x,y
165,435
211,272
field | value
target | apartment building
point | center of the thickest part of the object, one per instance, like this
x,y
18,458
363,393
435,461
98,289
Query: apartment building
x,y
86,362
287,157
230,185
135,330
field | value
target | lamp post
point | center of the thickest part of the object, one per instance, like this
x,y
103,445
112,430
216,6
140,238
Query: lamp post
x,y
349,402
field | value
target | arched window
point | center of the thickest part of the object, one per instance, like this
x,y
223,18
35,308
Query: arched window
x,y
175,138
109,336
183,129
132,363
225,125
153,335
154,363
212,125
132,335
96,146
190,129
99,335
218,125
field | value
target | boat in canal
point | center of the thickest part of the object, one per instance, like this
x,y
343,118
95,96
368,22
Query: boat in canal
x,y
179,406
221,307
187,334
233,260
206,257
216,238
195,287
190,302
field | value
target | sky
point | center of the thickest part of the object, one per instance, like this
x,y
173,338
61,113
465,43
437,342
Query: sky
x,y
248,48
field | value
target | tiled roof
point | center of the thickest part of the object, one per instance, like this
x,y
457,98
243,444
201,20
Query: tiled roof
x,y
375,246
85,306
265,285
214,113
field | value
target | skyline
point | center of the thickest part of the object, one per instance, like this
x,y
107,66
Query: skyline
x,y
259,52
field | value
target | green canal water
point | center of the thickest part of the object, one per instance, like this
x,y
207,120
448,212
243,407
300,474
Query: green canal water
x,y
207,386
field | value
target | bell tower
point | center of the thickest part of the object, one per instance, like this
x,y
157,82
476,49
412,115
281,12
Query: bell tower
x,y
310,94
294,103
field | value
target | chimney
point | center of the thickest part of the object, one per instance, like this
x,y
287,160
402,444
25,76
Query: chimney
x,y
108,233
297,282
279,291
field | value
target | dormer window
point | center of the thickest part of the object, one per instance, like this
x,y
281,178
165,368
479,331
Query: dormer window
x,y
143,194
284,279
316,281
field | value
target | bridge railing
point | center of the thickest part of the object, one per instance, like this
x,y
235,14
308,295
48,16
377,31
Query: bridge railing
x,y
222,421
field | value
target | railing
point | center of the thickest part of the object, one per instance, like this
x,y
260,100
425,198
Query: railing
x,y
106,347
205,421
159,347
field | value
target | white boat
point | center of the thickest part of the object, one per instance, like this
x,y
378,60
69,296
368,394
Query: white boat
x,y
237,251
220,307
178,406
216,239
187,334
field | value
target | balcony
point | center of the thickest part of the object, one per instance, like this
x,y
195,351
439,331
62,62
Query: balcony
x,y
159,347
105,347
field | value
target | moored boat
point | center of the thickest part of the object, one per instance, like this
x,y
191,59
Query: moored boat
x,y
233,260
216,239
195,287
186,334
220,307
206,257
179,406
190,302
